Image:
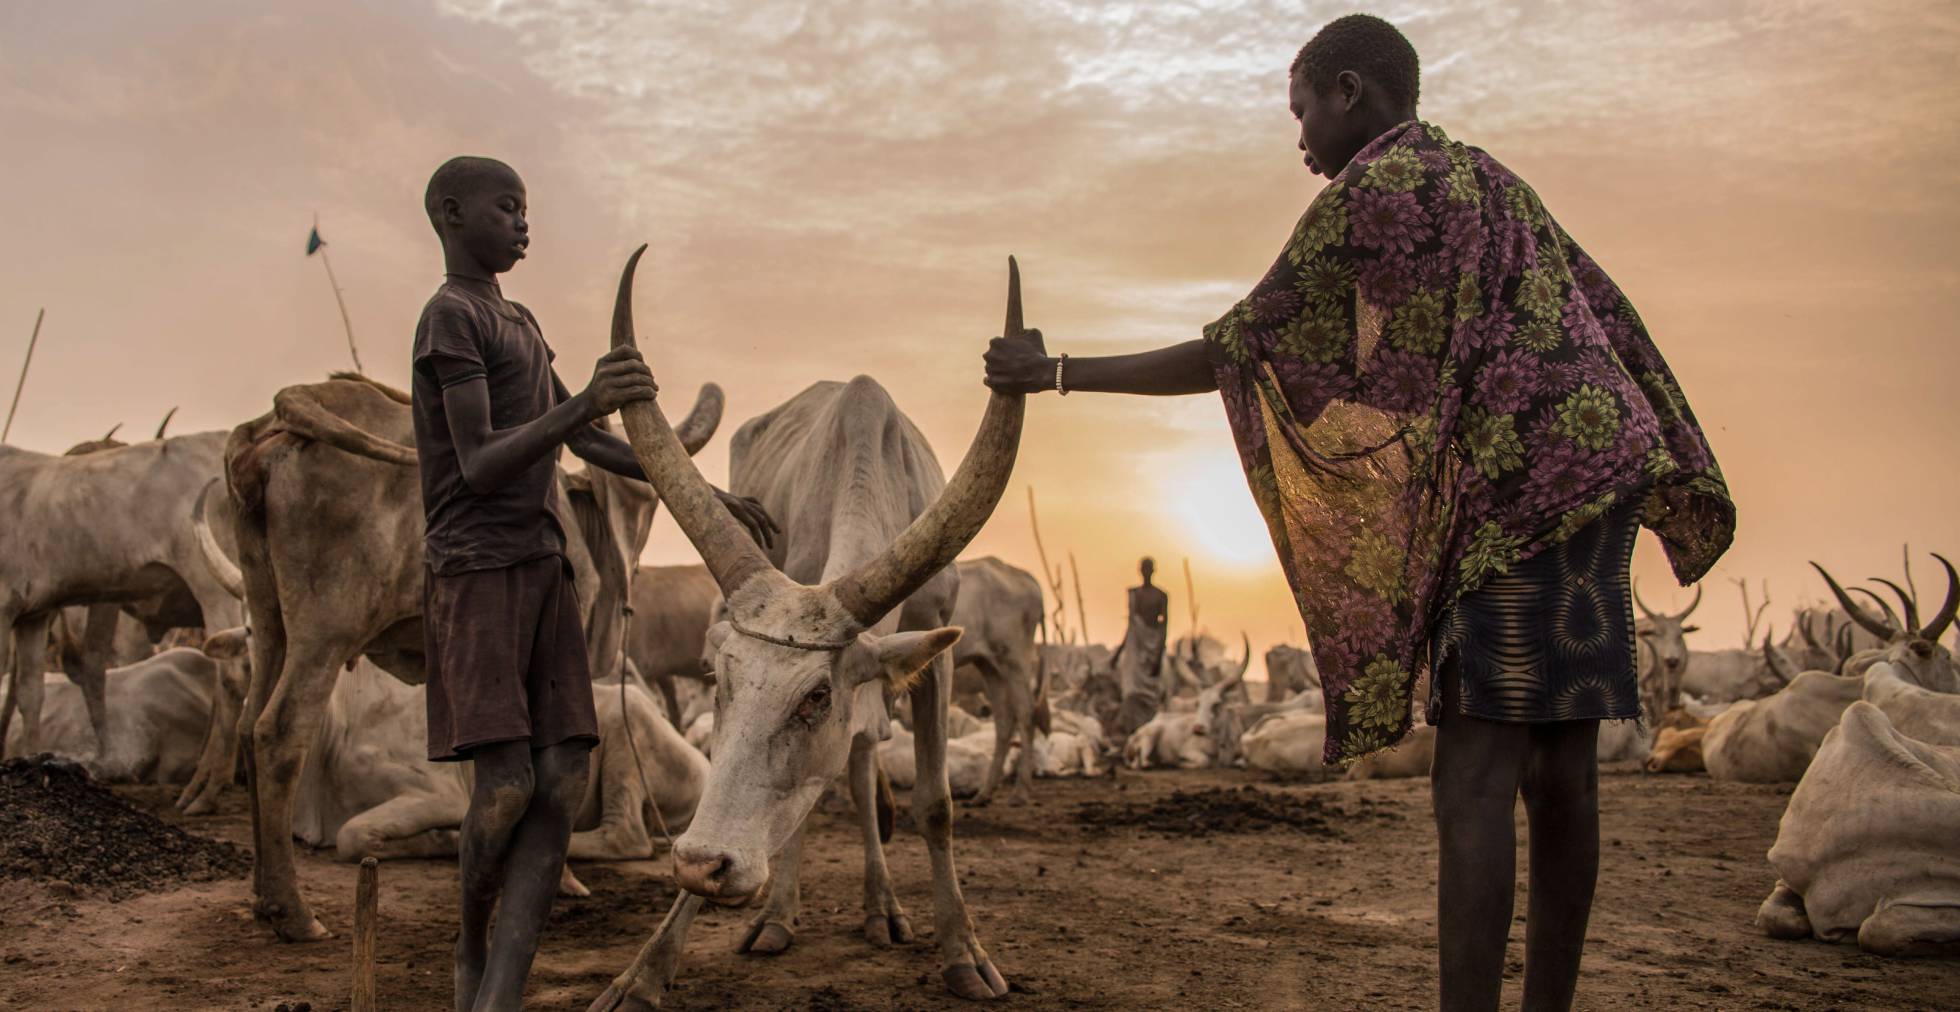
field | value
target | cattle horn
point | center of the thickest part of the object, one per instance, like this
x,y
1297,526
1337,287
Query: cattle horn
x,y
1644,610
1692,605
1944,617
1858,615
1905,601
222,569
939,534
1809,638
1891,617
111,434
699,426
731,556
164,426
1778,664
1245,662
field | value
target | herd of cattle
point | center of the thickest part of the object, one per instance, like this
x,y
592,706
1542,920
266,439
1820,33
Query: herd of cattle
x,y
733,694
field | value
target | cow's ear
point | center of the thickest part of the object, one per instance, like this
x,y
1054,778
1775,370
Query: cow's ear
x,y
717,635
1690,628
227,644
901,656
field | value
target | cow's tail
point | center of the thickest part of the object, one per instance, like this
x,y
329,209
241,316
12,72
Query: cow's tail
x,y
247,455
304,415
1044,720
887,804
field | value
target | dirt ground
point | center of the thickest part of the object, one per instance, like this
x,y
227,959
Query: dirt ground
x,y
1319,896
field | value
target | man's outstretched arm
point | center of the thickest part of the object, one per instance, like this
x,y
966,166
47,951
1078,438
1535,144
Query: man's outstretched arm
x,y
602,449
490,456
1023,366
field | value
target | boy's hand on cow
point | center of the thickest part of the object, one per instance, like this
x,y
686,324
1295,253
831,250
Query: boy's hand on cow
x,y
1019,365
620,378
750,514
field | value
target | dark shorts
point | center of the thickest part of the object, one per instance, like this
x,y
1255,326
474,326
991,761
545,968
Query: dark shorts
x,y
506,659
1552,639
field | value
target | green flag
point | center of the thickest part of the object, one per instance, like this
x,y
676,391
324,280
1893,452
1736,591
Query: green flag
x,y
313,241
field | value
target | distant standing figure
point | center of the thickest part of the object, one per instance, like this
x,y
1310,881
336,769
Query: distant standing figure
x,y
1141,654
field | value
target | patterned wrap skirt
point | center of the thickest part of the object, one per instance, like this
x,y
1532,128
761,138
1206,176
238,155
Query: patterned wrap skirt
x,y
1552,639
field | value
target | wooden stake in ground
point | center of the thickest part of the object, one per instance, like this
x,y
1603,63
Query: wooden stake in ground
x,y
315,244
366,926
8,430
1191,596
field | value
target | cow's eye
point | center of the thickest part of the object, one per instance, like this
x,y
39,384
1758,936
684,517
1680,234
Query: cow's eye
x,y
814,705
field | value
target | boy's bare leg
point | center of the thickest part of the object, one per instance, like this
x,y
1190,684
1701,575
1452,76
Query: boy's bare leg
x,y
531,872
1561,804
1474,782
498,802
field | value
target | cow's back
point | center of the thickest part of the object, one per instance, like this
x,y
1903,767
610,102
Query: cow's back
x,y
1772,740
843,472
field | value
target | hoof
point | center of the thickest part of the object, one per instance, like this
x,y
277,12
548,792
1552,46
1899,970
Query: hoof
x,y
981,984
296,930
884,931
618,999
569,885
767,939
1782,915
200,805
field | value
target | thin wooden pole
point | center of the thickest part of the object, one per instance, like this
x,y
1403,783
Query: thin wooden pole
x,y
1052,576
1081,609
1191,598
345,323
366,926
8,430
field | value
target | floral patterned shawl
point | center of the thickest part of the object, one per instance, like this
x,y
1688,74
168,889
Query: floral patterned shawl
x,y
1431,384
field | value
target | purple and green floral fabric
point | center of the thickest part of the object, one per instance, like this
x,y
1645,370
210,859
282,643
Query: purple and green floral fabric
x,y
1431,384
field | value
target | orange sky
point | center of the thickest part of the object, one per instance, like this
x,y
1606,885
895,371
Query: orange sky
x,y
833,188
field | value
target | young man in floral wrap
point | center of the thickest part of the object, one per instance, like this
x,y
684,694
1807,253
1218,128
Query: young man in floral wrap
x,y
1452,421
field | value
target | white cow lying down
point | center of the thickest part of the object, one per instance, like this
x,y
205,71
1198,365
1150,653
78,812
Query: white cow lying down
x,y
368,788
1066,752
1291,748
1287,744
1771,740
158,710
1866,845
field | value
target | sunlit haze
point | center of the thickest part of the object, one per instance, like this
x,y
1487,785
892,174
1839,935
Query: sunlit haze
x,y
834,188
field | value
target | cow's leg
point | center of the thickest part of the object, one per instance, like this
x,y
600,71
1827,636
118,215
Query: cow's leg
x,y
1474,784
413,825
1561,804
1005,724
771,931
884,919
1020,697
281,736
30,676
1903,929
98,639
622,834
963,964
1782,914
7,637
532,872
217,761
645,981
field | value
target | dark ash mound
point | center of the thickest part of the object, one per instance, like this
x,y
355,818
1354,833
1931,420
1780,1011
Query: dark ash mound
x,y
57,823
1223,810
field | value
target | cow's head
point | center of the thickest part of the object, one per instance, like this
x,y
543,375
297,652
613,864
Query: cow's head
x,y
797,666
1913,648
1666,635
1677,750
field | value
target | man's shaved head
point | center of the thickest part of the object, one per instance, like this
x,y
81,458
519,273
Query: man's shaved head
x,y
1366,45
459,177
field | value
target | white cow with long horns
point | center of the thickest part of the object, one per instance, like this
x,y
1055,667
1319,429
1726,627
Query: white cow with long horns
x,y
850,608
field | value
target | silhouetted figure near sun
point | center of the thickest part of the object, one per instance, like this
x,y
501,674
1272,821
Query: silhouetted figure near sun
x,y
1141,654
1453,422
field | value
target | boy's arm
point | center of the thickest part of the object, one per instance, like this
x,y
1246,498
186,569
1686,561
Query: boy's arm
x,y
596,446
490,457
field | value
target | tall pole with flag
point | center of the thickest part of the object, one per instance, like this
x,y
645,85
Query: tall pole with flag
x,y
315,244
8,429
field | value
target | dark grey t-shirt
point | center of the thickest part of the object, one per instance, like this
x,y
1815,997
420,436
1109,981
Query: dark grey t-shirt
x,y
469,330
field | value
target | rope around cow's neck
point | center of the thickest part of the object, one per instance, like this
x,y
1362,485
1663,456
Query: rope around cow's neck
x,y
815,646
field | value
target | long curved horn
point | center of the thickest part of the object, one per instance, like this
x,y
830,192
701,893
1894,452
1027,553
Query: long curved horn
x,y
939,534
1245,662
699,426
1644,610
1809,638
1858,615
1692,605
1891,617
723,544
222,569
164,426
305,416
1778,665
1944,617
1905,601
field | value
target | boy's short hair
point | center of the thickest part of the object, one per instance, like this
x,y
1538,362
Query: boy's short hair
x,y
454,178
1366,45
